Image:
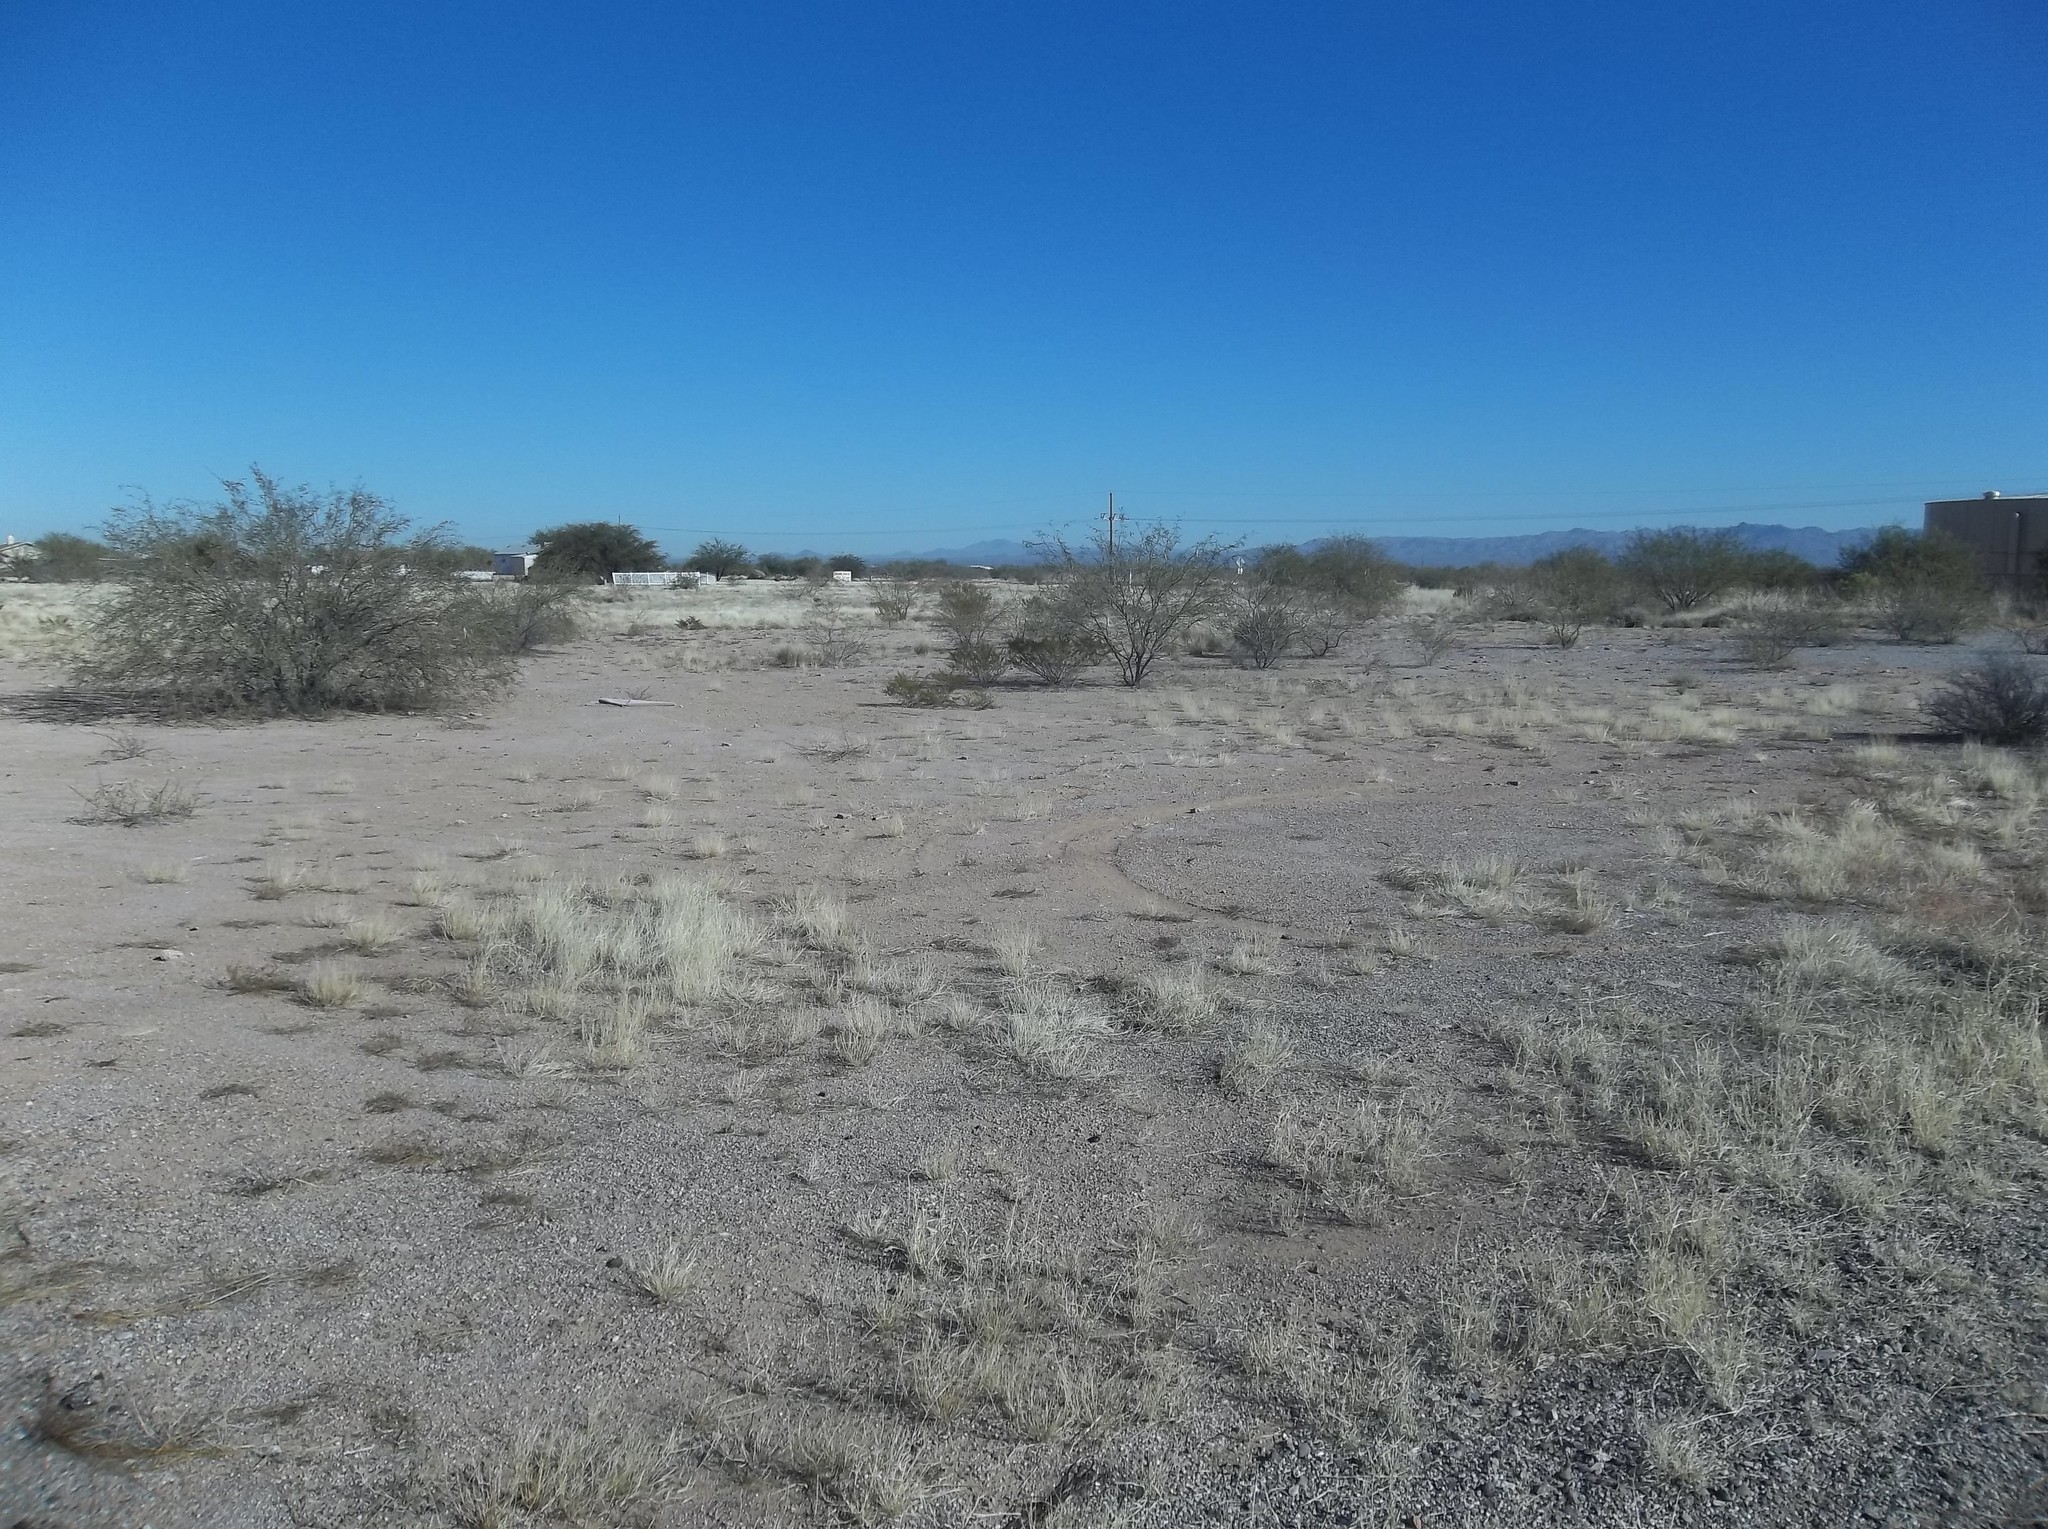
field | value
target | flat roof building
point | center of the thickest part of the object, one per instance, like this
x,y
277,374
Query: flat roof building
x,y
2008,532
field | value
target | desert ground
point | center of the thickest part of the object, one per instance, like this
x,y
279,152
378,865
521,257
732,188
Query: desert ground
x,y
1598,1085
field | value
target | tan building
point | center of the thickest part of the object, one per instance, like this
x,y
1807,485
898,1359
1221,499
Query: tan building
x,y
2008,532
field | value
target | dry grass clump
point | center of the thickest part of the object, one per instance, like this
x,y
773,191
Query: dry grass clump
x,y
1017,950
1686,721
1008,1333
286,878
939,1166
1179,1000
1880,1080
1253,1060
665,1276
613,1032
327,986
461,919
590,1471
373,934
164,873
1348,1166
612,959
659,788
677,941
819,920
1490,887
1400,943
1047,1029
1256,957
1919,830
124,744
910,981
1579,907
858,1028
854,1470
429,883
328,915
1675,1452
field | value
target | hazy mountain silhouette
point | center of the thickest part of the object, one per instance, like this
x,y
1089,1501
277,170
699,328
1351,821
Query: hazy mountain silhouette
x,y
1816,545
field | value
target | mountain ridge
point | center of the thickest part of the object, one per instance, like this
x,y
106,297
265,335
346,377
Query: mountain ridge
x,y
1815,544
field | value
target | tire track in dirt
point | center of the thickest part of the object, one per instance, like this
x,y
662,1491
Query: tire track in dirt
x,y
1086,851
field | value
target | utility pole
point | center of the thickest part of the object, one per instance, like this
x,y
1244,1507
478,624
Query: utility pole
x,y
1112,525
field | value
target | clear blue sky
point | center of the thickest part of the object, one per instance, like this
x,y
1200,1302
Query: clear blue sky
x,y
884,275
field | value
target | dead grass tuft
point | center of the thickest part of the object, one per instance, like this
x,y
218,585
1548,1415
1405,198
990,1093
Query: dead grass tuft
x,y
668,1276
1254,1060
1180,1000
328,986
1047,1029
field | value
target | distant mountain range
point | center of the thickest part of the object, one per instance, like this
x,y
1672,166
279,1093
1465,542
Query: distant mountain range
x,y
1824,548
1810,542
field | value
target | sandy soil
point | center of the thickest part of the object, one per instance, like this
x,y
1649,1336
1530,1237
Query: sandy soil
x,y
388,1259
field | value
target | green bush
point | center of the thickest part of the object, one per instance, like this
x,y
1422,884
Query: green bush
x,y
1570,590
1684,567
278,600
1264,622
967,613
64,559
1349,568
979,663
1054,641
1328,592
721,559
1920,587
1055,659
594,550
1141,597
893,601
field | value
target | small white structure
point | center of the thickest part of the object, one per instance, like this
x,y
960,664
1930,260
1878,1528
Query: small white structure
x,y
15,557
842,576
659,580
475,575
513,565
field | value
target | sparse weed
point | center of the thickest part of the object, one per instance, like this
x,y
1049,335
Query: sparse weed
x,y
134,805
